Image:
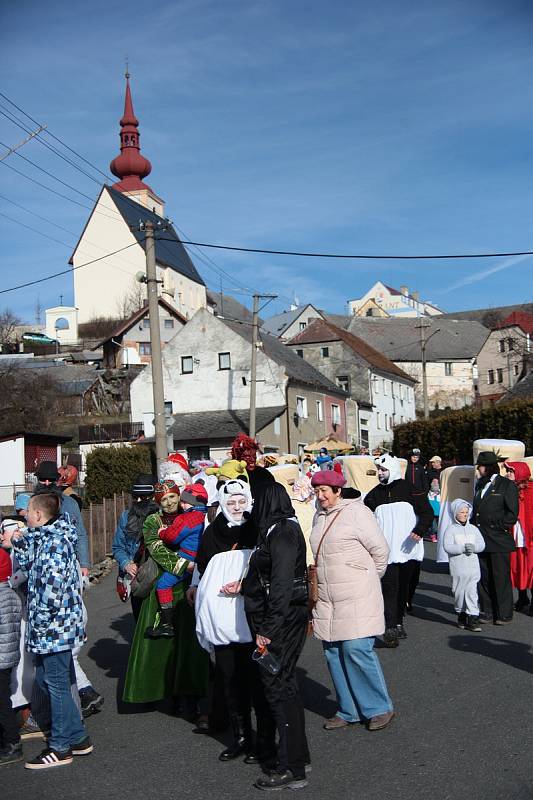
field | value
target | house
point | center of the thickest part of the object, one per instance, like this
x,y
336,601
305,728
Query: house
x,y
224,305
490,317
502,358
113,240
523,388
289,323
381,393
451,353
206,371
20,453
129,343
394,302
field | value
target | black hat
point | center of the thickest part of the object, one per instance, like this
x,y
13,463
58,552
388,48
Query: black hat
x,y
486,459
143,485
47,471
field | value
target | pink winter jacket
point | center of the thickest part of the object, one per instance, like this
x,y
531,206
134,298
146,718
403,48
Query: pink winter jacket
x,y
352,559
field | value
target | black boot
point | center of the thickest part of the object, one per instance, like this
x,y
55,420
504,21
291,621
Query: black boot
x,y
242,739
523,600
165,629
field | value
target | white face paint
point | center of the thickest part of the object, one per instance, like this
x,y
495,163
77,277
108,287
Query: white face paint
x,y
236,505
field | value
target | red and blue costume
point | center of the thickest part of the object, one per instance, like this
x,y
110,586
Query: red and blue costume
x,y
182,536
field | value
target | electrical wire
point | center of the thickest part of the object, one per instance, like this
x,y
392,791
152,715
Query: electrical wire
x,y
65,271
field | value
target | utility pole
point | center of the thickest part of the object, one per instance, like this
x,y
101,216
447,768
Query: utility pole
x,y
423,343
253,365
161,450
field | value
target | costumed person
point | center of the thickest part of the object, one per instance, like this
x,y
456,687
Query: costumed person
x,y
244,448
68,476
230,469
127,547
522,557
182,536
302,497
221,625
495,513
404,517
462,541
350,555
174,667
324,459
275,597
175,468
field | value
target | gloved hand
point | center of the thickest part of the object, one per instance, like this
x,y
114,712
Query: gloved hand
x,y
469,549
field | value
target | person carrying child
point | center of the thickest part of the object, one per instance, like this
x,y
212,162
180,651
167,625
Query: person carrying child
x,y
10,616
182,536
46,553
462,541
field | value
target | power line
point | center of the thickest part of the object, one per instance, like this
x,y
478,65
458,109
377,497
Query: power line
x,y
65,271
356,256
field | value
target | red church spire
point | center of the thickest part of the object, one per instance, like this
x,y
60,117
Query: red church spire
x,y
130,166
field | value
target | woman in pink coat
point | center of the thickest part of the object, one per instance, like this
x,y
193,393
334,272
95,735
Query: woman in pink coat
x,y
351,555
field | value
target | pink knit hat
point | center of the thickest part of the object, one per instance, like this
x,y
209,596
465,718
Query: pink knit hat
x,y
328,477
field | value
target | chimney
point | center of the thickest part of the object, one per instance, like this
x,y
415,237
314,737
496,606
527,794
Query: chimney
x,y
415,296
404,290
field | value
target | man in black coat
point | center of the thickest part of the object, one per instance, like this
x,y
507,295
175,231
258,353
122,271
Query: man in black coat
x,y
495,512
400,579
415,473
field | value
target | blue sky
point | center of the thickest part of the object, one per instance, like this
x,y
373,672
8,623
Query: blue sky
x,y
355,127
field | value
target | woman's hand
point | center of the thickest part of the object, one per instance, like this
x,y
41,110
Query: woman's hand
x,y
231,589
190,594
131,568
262,641
415,537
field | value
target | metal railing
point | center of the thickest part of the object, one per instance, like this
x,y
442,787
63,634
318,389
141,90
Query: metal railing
x,y
112,432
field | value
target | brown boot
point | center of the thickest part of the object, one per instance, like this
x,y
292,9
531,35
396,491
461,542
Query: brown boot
x,y
380,721
335,723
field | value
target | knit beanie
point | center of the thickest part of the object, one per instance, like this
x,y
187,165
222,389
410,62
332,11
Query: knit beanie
x,y
47,471
5,566
195,494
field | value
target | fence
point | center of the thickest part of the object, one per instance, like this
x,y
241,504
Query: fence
x,y
101,521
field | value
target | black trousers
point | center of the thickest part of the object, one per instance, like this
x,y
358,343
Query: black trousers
x,y
285,706
396,585
9,729
495,588
240,680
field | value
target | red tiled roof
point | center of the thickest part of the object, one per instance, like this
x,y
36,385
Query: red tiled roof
x,y
321,331
519,318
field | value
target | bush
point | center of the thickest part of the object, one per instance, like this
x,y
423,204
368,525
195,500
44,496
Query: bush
x,y
111,470
452,436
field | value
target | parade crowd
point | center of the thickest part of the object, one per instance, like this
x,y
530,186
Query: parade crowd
x,y
227,570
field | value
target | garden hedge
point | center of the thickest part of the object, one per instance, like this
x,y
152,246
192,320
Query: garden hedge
x,y
111,470
451,436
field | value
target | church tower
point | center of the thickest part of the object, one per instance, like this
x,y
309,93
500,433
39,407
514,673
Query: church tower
x,y
130,166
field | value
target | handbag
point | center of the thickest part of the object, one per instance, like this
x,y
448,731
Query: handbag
x,y
312,573
144,581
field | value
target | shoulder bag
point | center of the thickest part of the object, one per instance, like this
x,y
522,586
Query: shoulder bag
x,y
312,574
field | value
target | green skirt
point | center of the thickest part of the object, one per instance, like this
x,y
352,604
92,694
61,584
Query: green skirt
x,y
161,668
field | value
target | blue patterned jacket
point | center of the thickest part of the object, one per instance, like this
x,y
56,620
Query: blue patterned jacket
x,y
55,618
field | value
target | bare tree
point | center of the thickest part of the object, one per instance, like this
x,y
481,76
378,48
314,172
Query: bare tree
x,y
132,300
8,327
28,400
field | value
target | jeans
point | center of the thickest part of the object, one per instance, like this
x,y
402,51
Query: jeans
x,y
54,672
358,679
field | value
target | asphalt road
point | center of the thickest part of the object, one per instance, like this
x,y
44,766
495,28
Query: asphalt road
x,y
463,726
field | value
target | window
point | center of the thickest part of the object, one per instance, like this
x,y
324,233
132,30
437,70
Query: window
x,y
376,384
168,408
335,414
224,361
363,421
448,368
169,324
303,326
386,422
510,344
402,391
146,323
300,353
319,411
378,420
343,383
499,373
385,386
277,426
198,453
516,369
490,376
145,349
324,352
186,365
502,345
301,407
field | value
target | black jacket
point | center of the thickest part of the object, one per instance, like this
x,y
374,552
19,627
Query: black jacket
x,y
401,492
416,476
495,513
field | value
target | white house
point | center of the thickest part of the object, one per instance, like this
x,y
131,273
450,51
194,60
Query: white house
x,y
289,323
20,454
393,302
